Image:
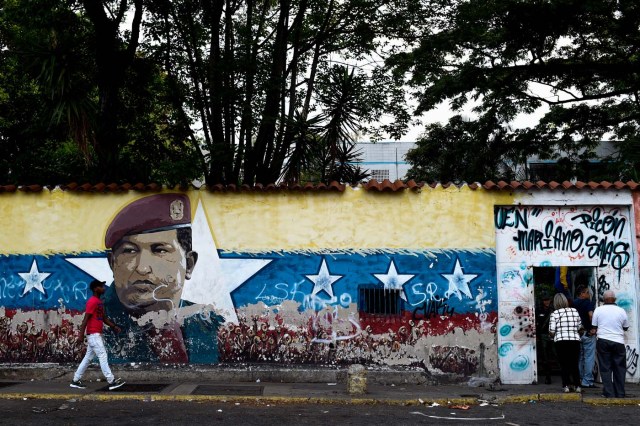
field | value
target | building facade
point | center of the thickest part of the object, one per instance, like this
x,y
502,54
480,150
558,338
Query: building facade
x,y
447,280
385,160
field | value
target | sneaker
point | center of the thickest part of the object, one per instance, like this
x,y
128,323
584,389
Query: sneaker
x,y
77,384
578,389
566,389
116,384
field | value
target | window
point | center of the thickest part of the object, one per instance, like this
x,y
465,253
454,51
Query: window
x,y
543,171
564,169
372,300
379,175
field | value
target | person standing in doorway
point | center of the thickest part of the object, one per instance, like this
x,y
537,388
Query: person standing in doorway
x,y
564,326
544,341
585,307
609,324
92,325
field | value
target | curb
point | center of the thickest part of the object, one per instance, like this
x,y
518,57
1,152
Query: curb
x,y
567,397
240,399
561,397
611,401
346,400
222,373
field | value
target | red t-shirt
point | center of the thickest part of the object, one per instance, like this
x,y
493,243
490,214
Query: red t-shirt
x,y
95,307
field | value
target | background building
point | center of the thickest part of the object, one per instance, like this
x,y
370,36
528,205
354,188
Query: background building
x,y
385,160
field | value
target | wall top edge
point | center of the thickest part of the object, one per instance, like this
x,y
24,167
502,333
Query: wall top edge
x,y
372,185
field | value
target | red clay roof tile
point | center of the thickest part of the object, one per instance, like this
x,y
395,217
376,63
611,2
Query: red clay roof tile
x,y
372,185
30,188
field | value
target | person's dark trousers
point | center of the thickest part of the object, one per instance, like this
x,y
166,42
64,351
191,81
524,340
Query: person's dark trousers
x,y
612,360
547,353
569,356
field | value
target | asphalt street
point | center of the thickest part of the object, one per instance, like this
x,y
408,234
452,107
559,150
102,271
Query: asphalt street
x,y
41,396
126,412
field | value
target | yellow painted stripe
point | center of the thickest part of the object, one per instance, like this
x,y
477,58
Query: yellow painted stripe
x,y
105,397
69,222
358,219
57,221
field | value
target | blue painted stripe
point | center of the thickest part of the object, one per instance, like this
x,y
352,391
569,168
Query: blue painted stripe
x,y
381,162
290,276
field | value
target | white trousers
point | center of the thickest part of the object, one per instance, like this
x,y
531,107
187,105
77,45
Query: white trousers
x,y
95,347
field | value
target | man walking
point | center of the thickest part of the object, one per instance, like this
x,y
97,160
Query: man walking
x,y
609,323
585,307
93,322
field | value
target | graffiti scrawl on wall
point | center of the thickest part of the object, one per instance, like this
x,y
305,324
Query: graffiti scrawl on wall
x,y
182,296
535,236
200,277
596,234
323,321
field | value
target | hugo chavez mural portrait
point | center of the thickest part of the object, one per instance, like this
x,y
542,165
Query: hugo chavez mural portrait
x,y
151,256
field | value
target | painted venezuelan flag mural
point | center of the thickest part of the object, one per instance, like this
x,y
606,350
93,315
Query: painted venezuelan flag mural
x,y
442,278
291,277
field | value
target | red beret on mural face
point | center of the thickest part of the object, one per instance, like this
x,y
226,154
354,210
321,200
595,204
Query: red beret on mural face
x,y
159,212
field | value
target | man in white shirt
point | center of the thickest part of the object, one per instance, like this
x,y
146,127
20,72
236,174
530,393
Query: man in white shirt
x,y
610,322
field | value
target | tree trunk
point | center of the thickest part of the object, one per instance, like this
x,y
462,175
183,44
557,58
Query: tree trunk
x,y
249,72
112,62
195,69
287,134
256,170
216,88
228,98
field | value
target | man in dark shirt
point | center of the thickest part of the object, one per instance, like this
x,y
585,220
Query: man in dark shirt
x,y
585,307
546,350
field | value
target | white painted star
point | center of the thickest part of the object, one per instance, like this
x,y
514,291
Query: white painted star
x,y
459,282
324,280
394,281
97,267
33,279
213,279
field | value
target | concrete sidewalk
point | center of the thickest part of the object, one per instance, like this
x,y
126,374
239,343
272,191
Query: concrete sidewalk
x,y
262,384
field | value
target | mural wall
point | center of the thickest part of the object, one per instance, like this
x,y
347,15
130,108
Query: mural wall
x,y
438,278
575,233
289,277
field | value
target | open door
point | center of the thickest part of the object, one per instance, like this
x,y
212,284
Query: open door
x,y
547,282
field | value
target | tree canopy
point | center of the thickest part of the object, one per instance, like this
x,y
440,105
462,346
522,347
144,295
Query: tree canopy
x,y
578,58
252,75
246,91
233,91
75,107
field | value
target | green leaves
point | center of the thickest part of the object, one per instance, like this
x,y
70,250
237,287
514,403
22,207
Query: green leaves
x,y
53,104
324,146
176,90
576,58
462,151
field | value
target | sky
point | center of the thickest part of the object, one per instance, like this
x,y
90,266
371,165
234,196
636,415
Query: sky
x,y
443,113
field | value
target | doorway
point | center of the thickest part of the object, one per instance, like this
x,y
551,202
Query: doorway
x,y
548,281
